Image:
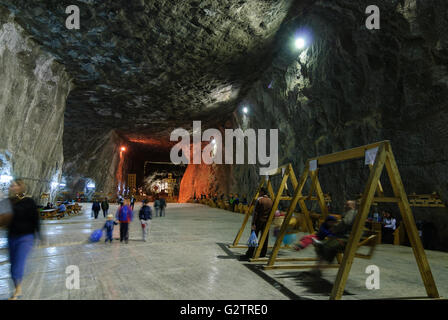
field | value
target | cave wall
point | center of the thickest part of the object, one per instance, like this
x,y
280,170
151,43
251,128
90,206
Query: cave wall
x,y
352,86
98,160
33,92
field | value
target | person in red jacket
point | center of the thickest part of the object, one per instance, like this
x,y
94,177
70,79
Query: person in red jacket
x,y
124,216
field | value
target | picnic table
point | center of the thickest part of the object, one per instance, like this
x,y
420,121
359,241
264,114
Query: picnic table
x,y
51,213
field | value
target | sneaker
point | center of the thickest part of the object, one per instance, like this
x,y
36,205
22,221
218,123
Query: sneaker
x,y
317,242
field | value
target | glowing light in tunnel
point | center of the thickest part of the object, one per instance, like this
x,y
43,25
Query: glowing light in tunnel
x,y
90,185
123,149
5,178
54,184
213,141
245,109
300,43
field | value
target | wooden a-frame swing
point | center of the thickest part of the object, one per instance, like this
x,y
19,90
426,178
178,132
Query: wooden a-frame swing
x,y
383,157
287,172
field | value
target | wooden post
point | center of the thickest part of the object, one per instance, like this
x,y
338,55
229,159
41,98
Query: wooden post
x,y
296,197
355,235
409,222
319,194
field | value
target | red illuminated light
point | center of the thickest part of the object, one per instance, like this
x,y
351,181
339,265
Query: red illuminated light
x,y
123,149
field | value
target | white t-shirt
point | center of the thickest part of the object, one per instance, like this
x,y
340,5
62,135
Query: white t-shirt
x,y
390,223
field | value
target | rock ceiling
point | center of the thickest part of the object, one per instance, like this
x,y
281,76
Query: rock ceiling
x,y
145,67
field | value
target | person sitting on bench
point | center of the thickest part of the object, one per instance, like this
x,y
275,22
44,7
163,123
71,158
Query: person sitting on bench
x,y
328,249
324,231
62,209
260,217
389,226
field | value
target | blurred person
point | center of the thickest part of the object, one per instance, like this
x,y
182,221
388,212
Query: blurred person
x,y
109,226
145,216
236,202
62,208
328,249
132,202
105,207
388,227
324,231
22,231
262,210
157,206
48,206
124,216
162,206
96,207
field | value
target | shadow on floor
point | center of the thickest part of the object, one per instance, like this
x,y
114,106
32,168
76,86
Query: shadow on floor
x,y
230,254
256,269
314,283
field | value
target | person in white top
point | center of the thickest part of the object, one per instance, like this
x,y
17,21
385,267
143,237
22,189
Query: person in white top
x,y
389,226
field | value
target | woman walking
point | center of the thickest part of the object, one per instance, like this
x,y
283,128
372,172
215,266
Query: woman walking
x,y
23,228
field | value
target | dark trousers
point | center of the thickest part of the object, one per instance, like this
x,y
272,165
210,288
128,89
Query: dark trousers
x,y
124,231
96,212
19,249
109,235
259,227
105,212
388,235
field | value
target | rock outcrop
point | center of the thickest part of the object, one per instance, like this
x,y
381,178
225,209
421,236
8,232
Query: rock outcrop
x,y
33,93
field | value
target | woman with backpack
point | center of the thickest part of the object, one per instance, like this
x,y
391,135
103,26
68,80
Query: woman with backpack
x,y
124,216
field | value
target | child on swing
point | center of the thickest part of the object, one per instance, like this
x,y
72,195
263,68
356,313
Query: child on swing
x,y
324,231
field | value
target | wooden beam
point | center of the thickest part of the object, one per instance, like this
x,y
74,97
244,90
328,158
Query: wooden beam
x,y
349,154
277,171
386,199
300,266
411,228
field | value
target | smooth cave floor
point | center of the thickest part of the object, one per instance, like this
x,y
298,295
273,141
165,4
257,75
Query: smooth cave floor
x,y
186,257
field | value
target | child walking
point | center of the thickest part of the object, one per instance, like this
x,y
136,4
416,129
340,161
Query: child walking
x,y
109,226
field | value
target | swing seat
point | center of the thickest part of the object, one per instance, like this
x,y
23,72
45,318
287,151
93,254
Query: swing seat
x,y
369,241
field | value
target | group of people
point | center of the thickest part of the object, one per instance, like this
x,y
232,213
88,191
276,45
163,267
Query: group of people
x,y
125,214
97,206
232,199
